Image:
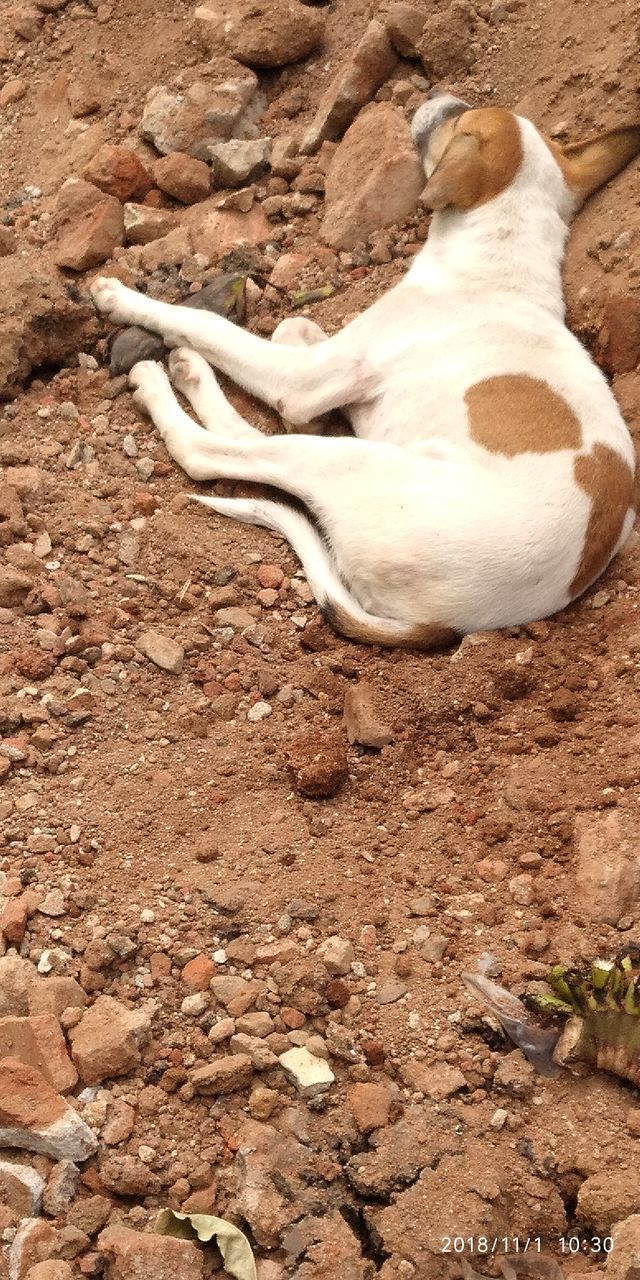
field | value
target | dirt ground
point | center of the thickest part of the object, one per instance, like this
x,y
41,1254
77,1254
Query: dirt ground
x,y
159,809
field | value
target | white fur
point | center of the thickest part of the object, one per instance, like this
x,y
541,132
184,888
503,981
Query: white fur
x,y
421,524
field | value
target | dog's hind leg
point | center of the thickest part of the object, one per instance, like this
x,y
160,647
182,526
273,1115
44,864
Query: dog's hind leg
x,y
322,474
298,331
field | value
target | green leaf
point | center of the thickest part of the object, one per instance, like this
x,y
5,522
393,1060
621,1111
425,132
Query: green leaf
x,y
236,1251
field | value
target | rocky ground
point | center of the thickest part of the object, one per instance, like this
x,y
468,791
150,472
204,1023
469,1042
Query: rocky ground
x,y
244,863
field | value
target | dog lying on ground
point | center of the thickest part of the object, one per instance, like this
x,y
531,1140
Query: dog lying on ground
x,y
490,477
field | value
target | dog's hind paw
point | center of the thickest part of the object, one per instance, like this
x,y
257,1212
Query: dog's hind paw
x,y
150,384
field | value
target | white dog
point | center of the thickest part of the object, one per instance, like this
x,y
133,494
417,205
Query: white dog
x,y
490,478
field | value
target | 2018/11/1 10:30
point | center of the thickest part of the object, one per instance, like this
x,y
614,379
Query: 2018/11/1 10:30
x,y
487,1245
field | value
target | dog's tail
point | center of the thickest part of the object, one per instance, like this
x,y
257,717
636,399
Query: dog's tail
x,y
336,604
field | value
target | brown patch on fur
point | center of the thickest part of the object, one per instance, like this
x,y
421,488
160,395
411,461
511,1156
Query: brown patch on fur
x,y
589,164
513,413
391,634
480,160
609,481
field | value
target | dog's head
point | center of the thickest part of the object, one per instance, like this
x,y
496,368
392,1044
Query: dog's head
x,y
471,156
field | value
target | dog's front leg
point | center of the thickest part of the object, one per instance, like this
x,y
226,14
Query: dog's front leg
x,y
301,383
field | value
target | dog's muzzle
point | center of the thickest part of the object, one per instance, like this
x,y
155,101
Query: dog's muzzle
x,y
439,106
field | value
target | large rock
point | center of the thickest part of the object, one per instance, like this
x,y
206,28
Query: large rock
x,y
18,978
134,1255
225,105
623,1262
181,176
262,33
118,172
42,323
361,719
606,1198
39,1043
375,178
36,1118
272,1191
489,1200
106,1042
215,232
14,588
55,994
30,1253
89,225
405,24
369,65
12,522
607,874
446,45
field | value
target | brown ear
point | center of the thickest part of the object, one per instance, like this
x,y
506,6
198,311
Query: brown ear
x,y
588,165
457,179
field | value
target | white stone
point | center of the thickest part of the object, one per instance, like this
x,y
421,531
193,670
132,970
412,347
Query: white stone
x,y
309,1074
194,1005
337,955
259,711
68,1138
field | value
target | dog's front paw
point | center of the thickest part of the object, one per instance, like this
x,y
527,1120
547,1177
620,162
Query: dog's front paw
x,y
111,297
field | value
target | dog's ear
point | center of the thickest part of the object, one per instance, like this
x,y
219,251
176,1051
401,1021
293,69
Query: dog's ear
x,y
456,181
588,165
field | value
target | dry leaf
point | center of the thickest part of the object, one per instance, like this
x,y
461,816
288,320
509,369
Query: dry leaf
x,y
236,1251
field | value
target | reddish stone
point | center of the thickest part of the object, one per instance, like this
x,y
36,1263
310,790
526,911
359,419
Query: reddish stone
x,y
39,1042
375,178
107,1040
203,1201
292,1018
31,1250
34,663
371,1104
198,973
145,502
337,993
134,1255
13,920
489,869
119,172
160,965
35,1116
270,575
374,1052
91,238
